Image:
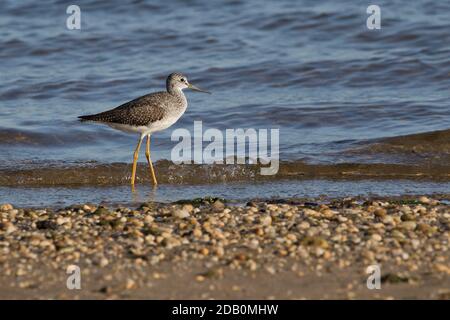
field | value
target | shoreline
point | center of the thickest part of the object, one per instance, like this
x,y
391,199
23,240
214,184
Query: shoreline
x,y
200,249
236,192
169,173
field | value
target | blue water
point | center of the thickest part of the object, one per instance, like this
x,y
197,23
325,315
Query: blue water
x,y
233,192
310,68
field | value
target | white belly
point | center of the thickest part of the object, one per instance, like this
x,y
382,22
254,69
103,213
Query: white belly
x,y
152,127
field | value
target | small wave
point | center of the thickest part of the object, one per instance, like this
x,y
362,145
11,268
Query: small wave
x,y
19,137
428,148
61,137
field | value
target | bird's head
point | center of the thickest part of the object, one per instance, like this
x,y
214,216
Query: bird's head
x,y
178,81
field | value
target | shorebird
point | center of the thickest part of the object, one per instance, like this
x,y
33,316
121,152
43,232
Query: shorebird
x,y
148,114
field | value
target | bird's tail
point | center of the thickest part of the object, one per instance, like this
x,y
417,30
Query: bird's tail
x,y
89,117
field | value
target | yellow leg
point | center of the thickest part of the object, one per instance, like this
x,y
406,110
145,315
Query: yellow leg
x,y
135,158
147,154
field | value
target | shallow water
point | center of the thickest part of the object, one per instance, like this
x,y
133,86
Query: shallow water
x,y
337,91
237,192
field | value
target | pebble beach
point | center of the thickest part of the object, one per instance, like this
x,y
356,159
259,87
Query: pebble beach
x,y
353,116
210,249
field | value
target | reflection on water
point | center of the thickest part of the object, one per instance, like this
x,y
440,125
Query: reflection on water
x,y
137,195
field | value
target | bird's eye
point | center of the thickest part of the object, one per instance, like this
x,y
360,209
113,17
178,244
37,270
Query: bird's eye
x,y
183,79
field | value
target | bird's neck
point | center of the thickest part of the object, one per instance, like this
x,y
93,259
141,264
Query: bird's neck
x,y
179,95
175,91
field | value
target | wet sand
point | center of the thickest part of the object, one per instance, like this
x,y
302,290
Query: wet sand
x,y
205,248
195,174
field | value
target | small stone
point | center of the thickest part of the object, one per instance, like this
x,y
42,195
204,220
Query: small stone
x,y
408,225
188,207
327,213
434,202
26,284
380,212
388,220
219,251
270,269
218,206
62,220
149,219
378,225
442,268
266,220
398,234
150,239
197,233
292,237
376,237
46,224
12,213
405,209
21,272
425,228
8,227
319,251
259,232
424,200
87,208
130,284
101,211
304,225
315,241
311,213
103,262
241,257
368,255
407,217
6,207
420,209
327,255
200,278
252,265
181,214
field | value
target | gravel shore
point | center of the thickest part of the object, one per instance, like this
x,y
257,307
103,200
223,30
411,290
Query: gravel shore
x,y
206,248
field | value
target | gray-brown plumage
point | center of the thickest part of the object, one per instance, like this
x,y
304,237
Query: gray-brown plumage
x,y
147,114
138,112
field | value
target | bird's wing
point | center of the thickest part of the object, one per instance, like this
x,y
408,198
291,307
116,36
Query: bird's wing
x,y
138,112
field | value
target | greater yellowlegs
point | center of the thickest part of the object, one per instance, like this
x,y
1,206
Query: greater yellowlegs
x,y
147,114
